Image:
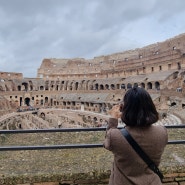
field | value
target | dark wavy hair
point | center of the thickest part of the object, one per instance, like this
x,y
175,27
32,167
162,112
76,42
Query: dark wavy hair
x,y
138,108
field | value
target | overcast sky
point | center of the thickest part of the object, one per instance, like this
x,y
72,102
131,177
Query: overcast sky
x,y
31,30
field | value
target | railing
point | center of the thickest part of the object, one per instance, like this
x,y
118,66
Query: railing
x,y
11,148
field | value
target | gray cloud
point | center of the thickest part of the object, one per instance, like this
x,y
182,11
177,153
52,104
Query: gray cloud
x,y
36,29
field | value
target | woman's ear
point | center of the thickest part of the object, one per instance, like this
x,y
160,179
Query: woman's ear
x,y
121,108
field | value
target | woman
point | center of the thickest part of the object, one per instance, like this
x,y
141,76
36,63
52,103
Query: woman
x,y
138,112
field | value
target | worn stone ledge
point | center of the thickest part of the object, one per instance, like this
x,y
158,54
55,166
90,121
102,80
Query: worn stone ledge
x,y
80,179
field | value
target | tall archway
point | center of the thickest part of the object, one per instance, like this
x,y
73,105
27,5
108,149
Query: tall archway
x,y
122,86
76,86
25,84
46,99
31,85
157,85
149,85
27,101
142,85
96,86
101,87
112,86
106,86
19,88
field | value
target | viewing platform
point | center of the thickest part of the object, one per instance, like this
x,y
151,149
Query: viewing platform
x,y
74,157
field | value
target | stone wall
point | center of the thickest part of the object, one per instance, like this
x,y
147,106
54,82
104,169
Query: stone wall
x,y
163,56
10,75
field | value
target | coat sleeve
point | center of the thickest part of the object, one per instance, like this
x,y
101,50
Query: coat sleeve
x,y
107,141
112,124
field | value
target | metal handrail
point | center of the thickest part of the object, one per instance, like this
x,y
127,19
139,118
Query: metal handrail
x,y
70,129
71,146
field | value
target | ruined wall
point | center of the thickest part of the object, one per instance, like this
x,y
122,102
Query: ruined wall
x,y
10,75
163,56
159,68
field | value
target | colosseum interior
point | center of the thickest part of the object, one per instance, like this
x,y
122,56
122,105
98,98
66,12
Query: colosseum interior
x,y
85,89
69,93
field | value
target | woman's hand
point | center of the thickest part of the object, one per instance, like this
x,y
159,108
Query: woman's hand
x,y
115,112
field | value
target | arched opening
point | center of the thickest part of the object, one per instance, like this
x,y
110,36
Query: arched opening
x,y
95,119
25,86
112,86
20,101
71,86
96,86
62,85
122,86
37,102
41,88
46,100
19,88
101,87
106,86
142,85
7,88
27,101
41,101
52,85
47,85
57,87
149,85
76,86
31,85
157,85
42,115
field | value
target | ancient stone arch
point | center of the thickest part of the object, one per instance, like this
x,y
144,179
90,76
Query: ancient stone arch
x,y
27,101
31,86
101,87
157,85
46,85
57,87
41,88
107,86
96,86
117,86
123,86
83,85
19,88
25,85
112,86
76,85
142,85
149,85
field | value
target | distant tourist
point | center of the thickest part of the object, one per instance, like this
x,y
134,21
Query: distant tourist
x,y
138,112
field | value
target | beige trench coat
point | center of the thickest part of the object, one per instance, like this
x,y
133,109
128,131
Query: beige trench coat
x,y
128,168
